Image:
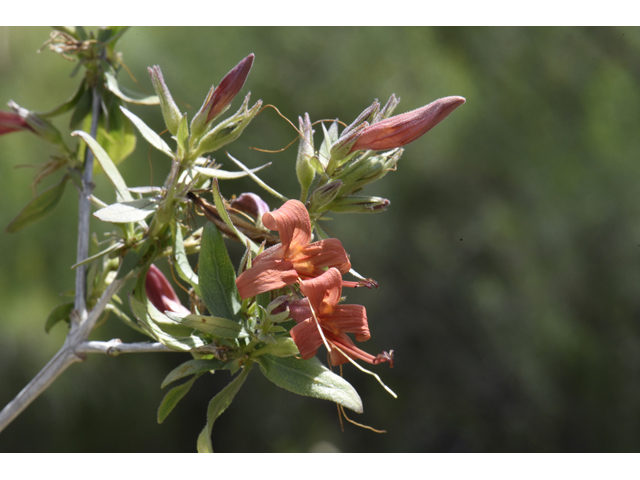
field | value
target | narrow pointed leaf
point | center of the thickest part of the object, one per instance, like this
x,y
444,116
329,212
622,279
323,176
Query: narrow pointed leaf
x,y
150,136
60,313
39,206
125,212
129,96
219,327
107,165
310,378
182,262
217,277
257,179
224,175
219,404
172,398
191,367
222,211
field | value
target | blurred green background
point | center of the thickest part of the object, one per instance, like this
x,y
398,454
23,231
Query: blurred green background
x,y
507,260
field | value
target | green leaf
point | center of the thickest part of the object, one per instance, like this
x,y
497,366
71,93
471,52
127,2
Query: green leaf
x,y
284,347
222,211
61,312
39,206
115,132
219,327
217,277
150,136
224,175
147,315
68,105
191,367
181,261
219,404
125,212
107,165
172,398
83,106
129,96
257,179
310,378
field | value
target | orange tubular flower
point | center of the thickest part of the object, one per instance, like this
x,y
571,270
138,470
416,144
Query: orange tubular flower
x,y
294,257
161,294
400,130
323,294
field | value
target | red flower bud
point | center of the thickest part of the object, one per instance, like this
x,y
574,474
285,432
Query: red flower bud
x,y
229,87
161,294
12,122
402,129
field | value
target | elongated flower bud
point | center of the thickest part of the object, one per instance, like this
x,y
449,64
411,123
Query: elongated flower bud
x,y
219,98
12,122
170,111
229,87
39,125
402,129
161,294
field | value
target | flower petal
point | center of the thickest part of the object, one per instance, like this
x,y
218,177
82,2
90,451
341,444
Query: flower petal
x,y
307,338
348,319
323,291
292,223
269,274
320,255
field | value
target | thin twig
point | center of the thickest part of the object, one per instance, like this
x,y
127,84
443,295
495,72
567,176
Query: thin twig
x,y
66,356
84,215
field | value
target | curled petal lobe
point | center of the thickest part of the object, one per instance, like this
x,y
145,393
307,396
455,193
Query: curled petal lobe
x,y
322,254
323,291
292,223
266,275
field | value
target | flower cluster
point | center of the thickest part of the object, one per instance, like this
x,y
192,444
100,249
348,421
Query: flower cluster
x,y
317,267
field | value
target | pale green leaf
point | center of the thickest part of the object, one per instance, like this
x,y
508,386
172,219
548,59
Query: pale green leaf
x,y
39,206
150,136
107,165
310,378
125,212
129,96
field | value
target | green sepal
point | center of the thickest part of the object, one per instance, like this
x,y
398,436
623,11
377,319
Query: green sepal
x,y
39,206
310,378
219,404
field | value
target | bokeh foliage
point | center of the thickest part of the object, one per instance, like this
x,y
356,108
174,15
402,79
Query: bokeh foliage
x,y
507,261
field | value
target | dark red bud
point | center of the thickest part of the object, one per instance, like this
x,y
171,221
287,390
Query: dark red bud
x,y
229,87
